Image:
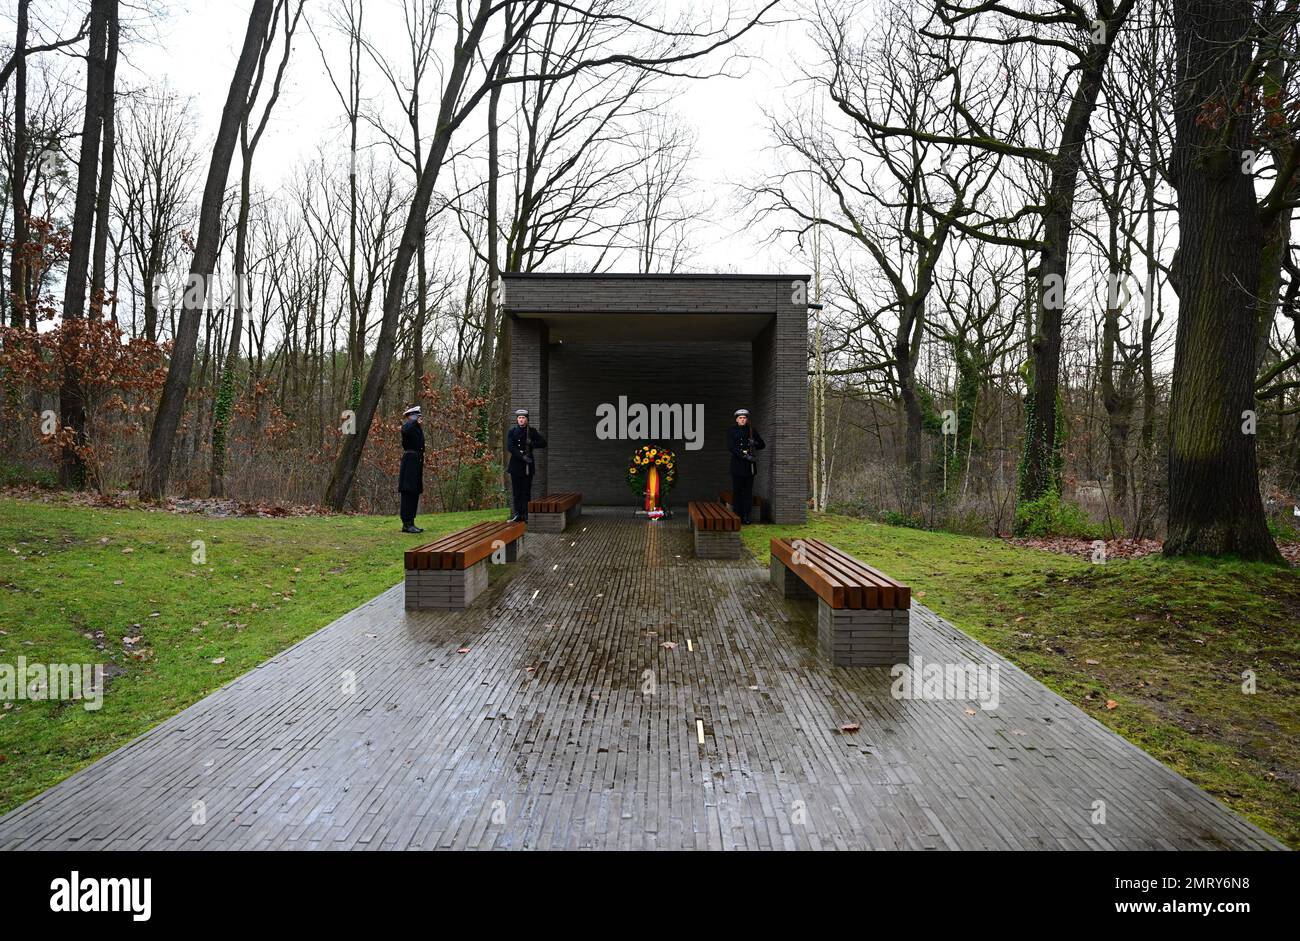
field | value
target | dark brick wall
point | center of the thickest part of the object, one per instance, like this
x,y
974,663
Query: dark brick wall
x,y
785,361
529,370
583,375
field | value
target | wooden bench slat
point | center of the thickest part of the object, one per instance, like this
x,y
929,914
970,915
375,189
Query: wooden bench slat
x,y
463,548
421,555
841,580
555,502
712,517
889,589
894,594
828,588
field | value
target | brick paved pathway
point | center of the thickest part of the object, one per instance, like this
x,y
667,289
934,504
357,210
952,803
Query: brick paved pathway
x,y
543,734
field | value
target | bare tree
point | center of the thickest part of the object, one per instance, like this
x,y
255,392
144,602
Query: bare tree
x,y
156,169
903,224
102,200
661,212
1063,28
168,416
290,13
1214,501
72,412
460,96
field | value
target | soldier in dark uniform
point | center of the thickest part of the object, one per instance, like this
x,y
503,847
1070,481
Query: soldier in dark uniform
x,y
742,441
521,441
410,478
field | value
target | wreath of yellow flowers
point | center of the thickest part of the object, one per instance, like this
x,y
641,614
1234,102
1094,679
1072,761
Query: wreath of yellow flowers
x,y
645,457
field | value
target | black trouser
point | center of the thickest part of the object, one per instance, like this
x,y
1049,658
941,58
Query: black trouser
x,y
522,487
742,495
410,502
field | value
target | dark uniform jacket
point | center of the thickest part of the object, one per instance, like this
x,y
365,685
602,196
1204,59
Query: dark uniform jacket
x,y
521,442
740,442
410,479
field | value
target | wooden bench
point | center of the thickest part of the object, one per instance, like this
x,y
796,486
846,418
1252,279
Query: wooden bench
x,y
554,513
725,497
863,615
451,572
716,530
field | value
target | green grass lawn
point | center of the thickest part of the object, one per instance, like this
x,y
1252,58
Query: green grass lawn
x,y
74,578
1170,639
1166,641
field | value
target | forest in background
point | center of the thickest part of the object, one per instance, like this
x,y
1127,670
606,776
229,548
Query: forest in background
x,y
1050,243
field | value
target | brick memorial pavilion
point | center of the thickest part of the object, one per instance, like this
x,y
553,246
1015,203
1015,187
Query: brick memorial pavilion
x,y
607,362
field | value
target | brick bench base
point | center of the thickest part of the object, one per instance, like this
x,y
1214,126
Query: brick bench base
x,y
849,637
553,522
711,544
862,637
453,589
786,582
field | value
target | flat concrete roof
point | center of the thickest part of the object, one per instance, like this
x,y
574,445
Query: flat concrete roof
x,y
610,306
720,276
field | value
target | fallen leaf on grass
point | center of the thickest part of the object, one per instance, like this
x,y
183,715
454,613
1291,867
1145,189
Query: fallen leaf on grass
x,y
1111,704
218,661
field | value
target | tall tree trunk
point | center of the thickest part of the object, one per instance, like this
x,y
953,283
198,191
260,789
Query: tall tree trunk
x,y
1039,466
72,408
172,403
1117,399
18,173
421,265
98,264
358,345
224,404
349,456
912,422
1039,469
1214,503
489,385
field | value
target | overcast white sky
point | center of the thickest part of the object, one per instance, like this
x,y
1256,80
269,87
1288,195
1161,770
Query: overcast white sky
x,y
197,44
